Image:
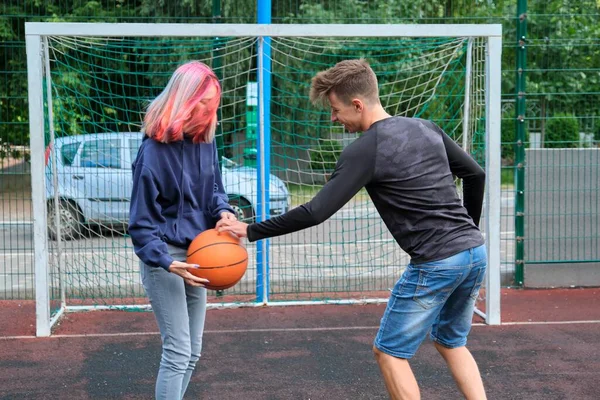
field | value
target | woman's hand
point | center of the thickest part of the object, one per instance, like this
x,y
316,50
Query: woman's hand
x,y
181,269
227,216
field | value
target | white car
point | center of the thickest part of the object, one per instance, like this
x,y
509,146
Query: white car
x,y
93,173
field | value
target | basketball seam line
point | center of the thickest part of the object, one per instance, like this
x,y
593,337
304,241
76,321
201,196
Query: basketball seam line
x,y
212,244
223,266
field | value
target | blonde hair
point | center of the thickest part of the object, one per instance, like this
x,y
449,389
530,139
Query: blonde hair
x,y
173,109
347,79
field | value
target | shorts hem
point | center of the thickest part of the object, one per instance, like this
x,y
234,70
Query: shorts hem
x,y
392,353
449,345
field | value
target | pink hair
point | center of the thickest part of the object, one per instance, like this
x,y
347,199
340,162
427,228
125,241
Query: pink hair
x,y
173,110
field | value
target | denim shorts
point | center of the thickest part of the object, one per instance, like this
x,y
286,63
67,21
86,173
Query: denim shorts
x,y
437,297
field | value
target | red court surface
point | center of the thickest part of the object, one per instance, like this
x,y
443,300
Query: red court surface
x,y
548,348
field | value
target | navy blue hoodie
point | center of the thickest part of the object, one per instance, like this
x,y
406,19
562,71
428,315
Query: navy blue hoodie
x,y
177,193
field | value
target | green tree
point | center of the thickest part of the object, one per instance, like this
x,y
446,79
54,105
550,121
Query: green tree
x,y
324,156
562,131
563,60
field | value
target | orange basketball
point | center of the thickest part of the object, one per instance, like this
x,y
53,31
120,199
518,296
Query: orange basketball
x,y
221,256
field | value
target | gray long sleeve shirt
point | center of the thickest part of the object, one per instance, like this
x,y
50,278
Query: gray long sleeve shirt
x,y
407,166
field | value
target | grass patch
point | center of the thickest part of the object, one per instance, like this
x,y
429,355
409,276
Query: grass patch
x,y
507,177
301,194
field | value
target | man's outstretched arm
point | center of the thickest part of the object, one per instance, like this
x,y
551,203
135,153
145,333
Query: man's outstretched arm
x,y
353,171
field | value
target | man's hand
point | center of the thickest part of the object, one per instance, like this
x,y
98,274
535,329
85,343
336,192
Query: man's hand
x,y
181,269
238,228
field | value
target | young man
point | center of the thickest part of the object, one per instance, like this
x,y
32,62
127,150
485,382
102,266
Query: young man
x,y
407,166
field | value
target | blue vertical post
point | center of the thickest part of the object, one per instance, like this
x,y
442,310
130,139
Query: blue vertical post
x,y
264,150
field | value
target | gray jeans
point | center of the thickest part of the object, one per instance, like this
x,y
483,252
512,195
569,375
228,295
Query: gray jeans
x,y
180,311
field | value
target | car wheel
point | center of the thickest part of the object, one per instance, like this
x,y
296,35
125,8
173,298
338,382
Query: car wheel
x,y
70,224
242,208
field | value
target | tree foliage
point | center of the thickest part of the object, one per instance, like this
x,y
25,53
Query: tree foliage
x,y
563,132
324,156
563,60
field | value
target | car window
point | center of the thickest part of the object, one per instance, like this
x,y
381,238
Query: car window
x,y
134,146
68,152
101,154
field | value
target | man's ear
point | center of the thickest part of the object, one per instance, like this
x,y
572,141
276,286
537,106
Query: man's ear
x,y
358,105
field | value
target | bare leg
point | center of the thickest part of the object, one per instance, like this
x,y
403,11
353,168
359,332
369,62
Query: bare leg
x,y
399,378
464,371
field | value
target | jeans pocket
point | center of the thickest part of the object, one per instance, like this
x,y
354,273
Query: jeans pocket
x,y
435,286
478,282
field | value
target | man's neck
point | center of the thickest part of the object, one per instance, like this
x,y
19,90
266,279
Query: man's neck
x,y
376,115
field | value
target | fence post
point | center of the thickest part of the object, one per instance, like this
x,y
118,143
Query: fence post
x,y
264,150
520,143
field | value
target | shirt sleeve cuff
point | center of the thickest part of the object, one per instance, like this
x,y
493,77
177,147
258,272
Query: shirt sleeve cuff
x,y
250,235
165,261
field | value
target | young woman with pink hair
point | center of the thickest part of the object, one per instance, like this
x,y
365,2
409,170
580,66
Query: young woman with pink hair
x,y
177,193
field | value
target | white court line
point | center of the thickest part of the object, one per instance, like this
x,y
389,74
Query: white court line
x,y
10,223
362,211
551,322
344,213
292,245
331,329
108,249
